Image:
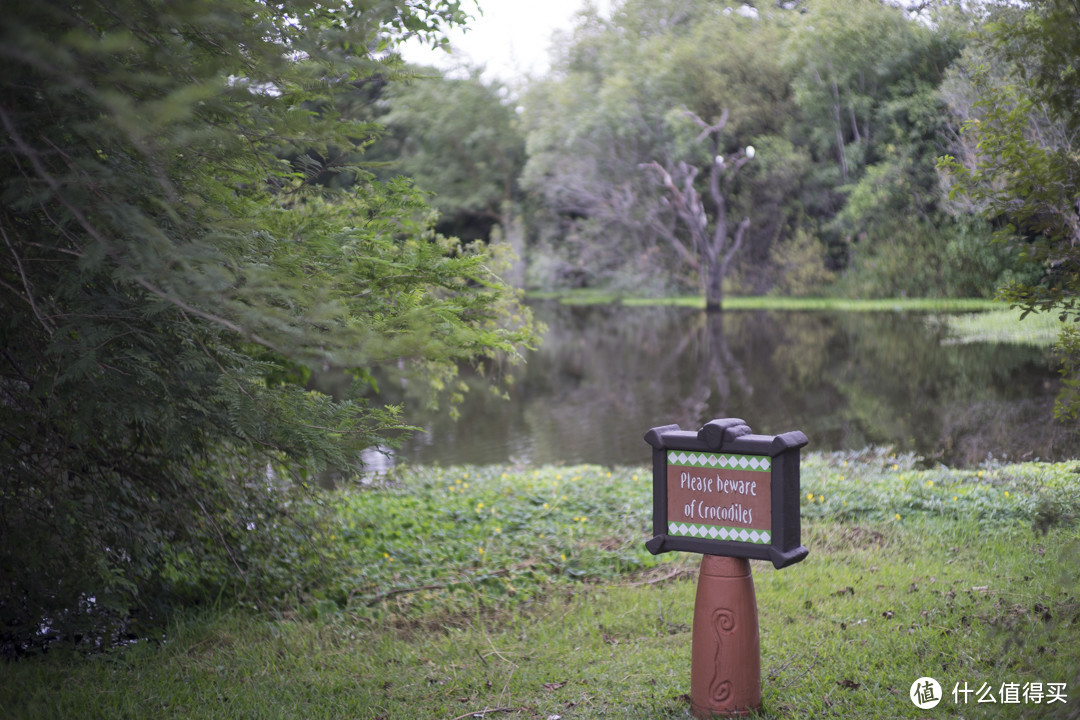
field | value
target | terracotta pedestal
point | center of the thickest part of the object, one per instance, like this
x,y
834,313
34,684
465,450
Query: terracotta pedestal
x,y
725,670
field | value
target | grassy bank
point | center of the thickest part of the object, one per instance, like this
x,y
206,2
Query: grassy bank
x,y
967,320
1005,326
526,593
768,302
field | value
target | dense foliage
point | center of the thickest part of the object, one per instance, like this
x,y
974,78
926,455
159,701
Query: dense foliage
x,y
1022,165
177,265
847,105
840,101
640,176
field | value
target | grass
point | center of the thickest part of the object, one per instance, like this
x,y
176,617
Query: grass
x,y
767,302
967,320
525,593
1005,326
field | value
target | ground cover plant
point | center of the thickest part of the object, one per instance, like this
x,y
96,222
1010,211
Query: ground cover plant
x,y
519,592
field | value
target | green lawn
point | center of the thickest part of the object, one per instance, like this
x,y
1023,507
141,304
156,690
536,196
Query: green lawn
x,y
525,593
768,302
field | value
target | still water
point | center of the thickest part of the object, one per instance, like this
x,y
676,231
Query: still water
x,y
605,375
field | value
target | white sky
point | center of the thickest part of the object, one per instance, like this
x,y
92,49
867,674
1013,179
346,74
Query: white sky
x,y
510,39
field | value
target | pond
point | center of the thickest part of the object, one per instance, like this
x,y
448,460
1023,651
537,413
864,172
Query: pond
x,y
604,375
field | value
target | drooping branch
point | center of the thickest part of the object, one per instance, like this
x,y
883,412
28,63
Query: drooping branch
x,y
47,324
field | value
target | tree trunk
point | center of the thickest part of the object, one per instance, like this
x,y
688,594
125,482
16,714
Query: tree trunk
x,y
842,156
714,287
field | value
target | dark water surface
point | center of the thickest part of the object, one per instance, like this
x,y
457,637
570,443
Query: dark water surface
x,y
605,375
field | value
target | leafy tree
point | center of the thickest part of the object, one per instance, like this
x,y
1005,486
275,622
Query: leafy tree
x,y
878,74
587,129
172,279
1023,168
459,139
733,96
622,97
845,56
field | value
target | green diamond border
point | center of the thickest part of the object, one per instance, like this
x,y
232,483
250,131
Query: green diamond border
x,y
719,461
702,532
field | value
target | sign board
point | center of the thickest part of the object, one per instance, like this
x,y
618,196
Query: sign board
x,y
725,491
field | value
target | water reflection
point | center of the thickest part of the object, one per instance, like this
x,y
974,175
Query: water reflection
x,y
604,375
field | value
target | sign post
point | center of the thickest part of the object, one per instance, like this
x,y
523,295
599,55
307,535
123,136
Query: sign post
x,y
731,496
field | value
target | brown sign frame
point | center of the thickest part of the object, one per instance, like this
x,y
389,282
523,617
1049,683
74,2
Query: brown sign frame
x,y
732,528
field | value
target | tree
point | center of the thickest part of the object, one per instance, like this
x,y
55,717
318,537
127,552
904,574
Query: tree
x,y
1024,171
845,56
713,242
729,92
458,138
172,280
588,128
617,101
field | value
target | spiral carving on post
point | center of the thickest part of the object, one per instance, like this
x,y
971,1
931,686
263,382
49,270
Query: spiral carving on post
x,y
723,623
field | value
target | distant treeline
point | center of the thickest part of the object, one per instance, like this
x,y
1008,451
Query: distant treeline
x,y
803,137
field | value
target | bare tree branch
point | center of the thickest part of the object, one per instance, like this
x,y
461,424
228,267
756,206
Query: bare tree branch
x,y
712,251
45,322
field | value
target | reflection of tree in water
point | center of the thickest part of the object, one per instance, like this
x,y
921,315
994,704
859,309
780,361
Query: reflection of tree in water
x,y
888,379
671,366
605,375
716,371
613,364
